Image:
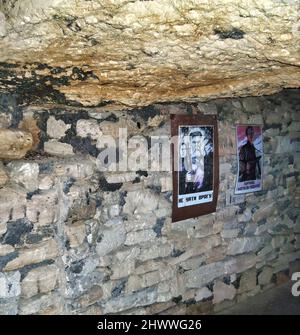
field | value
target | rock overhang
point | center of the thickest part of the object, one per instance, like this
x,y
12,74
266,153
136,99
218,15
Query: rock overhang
x,y
124,54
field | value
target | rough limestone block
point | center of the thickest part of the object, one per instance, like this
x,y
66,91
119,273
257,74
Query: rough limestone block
x,y
264,278
121,271
46,182
3,175
59,149
140,237
140,222
5,119
14,144
30,124
140,201
12,204
36,254
128,255
9,306
74,169
244,244
75,234
56,128
110,239
223,292
282,277
204,274
141,298
51,303
91,297
6,249
10,285
203,294
240,263
43,208
3,228
24,173
88,128
40,280
155,251
248,281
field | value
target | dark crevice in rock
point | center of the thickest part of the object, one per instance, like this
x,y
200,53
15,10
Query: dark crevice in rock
x,y
31,194
119,288
77,266
177,300
15,232
136,180
109,187
38,88
158,226
83,145
111,118
144,113
68,184
142,173
122,200
177,252
24,271
7,258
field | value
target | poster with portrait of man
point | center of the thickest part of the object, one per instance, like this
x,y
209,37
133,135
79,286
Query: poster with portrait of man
x,y
195,176
250,158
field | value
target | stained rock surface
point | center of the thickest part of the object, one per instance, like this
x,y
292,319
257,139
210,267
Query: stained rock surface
x,y
14,144
128,53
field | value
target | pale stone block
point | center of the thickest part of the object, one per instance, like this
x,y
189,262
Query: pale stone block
x,y
25,174
88,128
41,280
10,285
155,251
75,234
43,208
144,297
203,294
51,303
12,203
59,149
248,281
140,202
46,182
223,292
245,244
14,144
3,175
36,254
56,128
140,237
6,249
264,278
111,239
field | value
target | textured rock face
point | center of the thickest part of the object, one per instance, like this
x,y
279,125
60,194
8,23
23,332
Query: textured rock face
x,y
14,144
116,53
76,240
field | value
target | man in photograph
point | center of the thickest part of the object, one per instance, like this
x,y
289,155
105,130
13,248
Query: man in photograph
x,y
196,162
248,158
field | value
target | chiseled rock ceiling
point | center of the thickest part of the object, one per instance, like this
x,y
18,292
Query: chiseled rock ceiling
x,y
122,53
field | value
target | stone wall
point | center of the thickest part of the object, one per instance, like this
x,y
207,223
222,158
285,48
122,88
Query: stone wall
x,y
74,240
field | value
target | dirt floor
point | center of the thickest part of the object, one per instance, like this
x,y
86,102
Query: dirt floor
x,y
276,301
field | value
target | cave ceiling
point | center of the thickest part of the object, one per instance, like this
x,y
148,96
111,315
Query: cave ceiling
x,y
120,54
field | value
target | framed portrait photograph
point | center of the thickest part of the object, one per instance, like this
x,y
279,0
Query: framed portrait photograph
x,y
195,165
249,143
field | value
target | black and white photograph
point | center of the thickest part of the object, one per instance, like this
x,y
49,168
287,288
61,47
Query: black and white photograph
x,y
195,165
